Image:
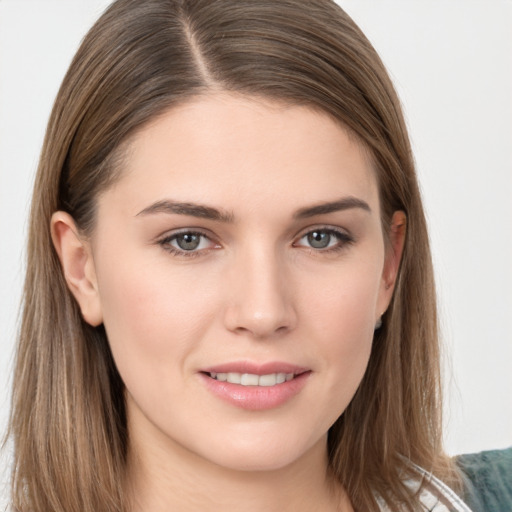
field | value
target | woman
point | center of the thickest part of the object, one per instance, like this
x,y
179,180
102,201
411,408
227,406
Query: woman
x,y
229,298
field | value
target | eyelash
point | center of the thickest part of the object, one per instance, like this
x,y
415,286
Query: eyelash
x,y
343,241
175,251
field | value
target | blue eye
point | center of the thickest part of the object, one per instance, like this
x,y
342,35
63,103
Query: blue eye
x,y
325,239
319,239
186,243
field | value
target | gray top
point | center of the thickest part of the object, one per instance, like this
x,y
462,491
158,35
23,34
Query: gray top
x,y
487,480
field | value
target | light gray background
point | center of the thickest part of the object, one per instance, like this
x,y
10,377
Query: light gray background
x,y
451,62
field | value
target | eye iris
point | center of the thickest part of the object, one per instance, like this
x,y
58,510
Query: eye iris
x,y
188,241
319,239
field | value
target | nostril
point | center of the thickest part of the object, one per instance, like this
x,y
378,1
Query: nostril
x,y
260,304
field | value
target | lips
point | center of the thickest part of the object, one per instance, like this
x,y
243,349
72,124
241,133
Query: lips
x,y
255,386
252,379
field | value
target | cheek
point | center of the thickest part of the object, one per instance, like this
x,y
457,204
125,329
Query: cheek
x,y
153,317
341,310
342,303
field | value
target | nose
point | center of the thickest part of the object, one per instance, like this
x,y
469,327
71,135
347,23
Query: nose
x,y
260,299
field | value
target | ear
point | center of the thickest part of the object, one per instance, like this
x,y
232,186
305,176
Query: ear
x,y
77,265
394,250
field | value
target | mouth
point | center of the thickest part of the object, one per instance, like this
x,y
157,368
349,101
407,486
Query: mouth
x,y
253,379
255,386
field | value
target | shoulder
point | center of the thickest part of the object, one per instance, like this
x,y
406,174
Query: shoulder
x,y
487,480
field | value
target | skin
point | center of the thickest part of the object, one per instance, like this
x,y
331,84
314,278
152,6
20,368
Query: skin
x,y
254,290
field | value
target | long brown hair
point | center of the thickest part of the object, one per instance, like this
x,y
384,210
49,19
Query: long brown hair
x,y
140,59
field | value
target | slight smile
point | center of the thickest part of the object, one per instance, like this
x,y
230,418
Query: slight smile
x,y
255,387
251,379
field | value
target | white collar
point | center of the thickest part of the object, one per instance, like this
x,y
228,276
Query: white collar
x,y
435,495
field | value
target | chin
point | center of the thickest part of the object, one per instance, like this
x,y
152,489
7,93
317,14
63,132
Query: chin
x,y
263,454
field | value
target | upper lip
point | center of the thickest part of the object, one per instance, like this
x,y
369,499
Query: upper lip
x,y
256,368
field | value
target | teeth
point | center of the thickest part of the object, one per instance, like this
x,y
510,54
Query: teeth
x,y
247,379
235,378
250,379
268,380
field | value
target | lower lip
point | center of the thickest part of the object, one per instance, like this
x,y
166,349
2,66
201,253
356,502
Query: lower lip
x,y
256,398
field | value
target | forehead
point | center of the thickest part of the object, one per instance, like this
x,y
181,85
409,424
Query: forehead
x,y
238,151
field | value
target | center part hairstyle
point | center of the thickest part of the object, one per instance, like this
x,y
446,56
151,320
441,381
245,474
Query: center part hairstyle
x,y
139,60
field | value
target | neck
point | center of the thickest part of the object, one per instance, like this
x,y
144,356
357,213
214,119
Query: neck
x,y
170,477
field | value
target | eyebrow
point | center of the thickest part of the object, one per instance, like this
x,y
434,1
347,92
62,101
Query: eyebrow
x,y
191,209
208,212
345,203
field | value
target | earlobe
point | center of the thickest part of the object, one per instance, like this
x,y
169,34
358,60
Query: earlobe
x,y
393,254
77,266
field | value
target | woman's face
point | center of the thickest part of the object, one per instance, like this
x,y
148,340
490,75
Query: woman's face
x,y
242,247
